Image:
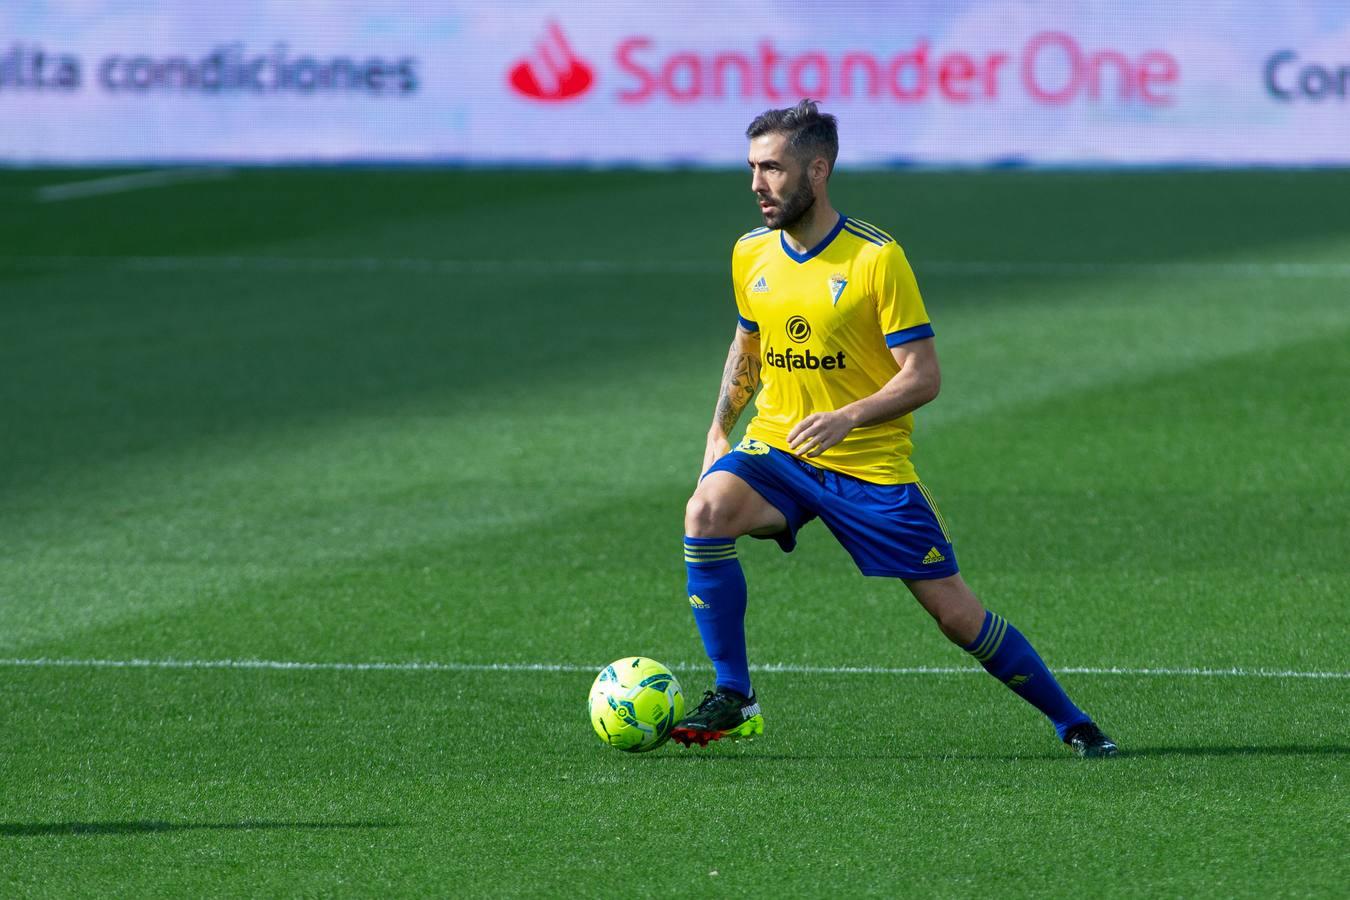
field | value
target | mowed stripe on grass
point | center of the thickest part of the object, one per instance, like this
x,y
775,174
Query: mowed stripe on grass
x,y
226,477
895,788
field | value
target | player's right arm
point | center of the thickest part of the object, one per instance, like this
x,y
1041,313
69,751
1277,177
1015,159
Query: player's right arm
x,y
740,380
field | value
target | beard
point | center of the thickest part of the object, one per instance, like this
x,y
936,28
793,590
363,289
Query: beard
x,y
793,207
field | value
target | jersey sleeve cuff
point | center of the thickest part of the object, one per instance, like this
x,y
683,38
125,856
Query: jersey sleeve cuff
x,y
905,335
747,324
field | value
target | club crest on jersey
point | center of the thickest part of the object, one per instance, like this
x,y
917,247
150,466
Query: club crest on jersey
x,y
837,284
759,287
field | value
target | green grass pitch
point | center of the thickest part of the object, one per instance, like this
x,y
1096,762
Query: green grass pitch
x,y
452,417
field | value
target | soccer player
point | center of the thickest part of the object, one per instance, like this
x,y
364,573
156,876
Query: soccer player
x,y
833,334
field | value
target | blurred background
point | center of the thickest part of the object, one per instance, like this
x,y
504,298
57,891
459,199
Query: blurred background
x,y
972,82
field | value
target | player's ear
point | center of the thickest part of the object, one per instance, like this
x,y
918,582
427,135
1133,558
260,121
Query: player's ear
x,y
819,170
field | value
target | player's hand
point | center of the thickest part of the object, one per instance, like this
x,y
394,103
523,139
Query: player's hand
x,y
818,432
718,447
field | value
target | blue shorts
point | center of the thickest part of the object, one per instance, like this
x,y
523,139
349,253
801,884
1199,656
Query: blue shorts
x,y
891,530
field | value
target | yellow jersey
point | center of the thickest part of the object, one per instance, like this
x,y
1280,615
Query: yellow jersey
x,y
827,319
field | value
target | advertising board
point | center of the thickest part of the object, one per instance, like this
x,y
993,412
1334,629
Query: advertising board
x,y
609,83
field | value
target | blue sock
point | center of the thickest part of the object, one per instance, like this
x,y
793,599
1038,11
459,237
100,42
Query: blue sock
x,y
1010,658
717,597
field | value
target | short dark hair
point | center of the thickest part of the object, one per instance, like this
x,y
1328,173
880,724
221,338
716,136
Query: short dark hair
x,y
809,131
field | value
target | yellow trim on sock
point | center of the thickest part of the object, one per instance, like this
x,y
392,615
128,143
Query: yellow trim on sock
x,y
997,633
992,638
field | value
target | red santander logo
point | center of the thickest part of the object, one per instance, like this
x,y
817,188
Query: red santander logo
x,y
554,72
1052,68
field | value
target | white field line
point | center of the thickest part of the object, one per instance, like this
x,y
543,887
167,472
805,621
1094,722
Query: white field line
x,y
378,265
793,668
119,184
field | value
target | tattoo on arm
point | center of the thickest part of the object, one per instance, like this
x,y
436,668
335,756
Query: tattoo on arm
x,y
740,380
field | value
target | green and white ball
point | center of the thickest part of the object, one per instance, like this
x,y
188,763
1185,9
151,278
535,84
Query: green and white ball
x,y
634,703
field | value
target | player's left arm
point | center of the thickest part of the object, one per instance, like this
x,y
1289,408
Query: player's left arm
x,y
917,383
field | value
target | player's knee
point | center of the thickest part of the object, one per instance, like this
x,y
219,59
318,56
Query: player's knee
x,y
956,610
960,621
956,625
708,515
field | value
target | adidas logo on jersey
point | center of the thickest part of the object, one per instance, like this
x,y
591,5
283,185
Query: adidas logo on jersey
x,y
933,557
760,287
697,602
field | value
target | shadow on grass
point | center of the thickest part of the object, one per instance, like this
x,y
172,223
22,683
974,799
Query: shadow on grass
x,y
187,357
41,829
877,755
1274,750
1126,753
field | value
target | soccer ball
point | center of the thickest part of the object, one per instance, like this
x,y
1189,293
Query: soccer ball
x,y
634,703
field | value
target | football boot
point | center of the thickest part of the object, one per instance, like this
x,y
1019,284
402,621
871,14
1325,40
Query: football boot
x,y
722,714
